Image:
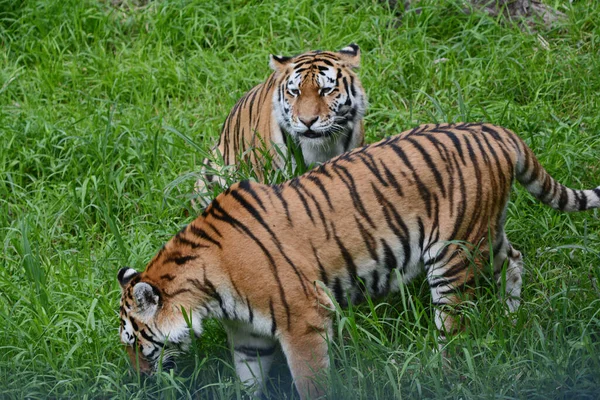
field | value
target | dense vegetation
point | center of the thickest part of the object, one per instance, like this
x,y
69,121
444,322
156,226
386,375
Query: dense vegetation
x,y
104,116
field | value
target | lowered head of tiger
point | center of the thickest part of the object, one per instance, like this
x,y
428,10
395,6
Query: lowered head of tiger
x,y
313,100
270,261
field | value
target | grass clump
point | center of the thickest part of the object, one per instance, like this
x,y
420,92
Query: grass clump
x,y
106,113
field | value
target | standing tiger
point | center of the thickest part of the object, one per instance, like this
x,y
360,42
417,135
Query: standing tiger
x,y
362,224
314,100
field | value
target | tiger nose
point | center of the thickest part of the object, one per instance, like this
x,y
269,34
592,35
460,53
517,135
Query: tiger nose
x,y
308,122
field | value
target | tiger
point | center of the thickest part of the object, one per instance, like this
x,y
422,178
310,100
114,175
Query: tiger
x,y
314,100
273,261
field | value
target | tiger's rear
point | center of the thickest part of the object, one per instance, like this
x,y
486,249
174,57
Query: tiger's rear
x,y
431,200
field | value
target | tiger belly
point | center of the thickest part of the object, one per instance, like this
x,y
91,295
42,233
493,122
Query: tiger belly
x,y
392,263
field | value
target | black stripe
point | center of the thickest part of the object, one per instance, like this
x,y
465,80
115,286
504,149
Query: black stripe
x,y
315,179
255,351
462,205
546,190
211,291
487,128
461,266
430,164
134,324
349,137
152,355
151,339
368,239
491,129
326,61
459,288
349,261
499,169
345,81
322,169
324,277
175,293
369,162
445,281
478,185
392,179
250,311
294,185
274,238
224,216
446,157
246,186
338,292
533,176
390,260
214,228
348,181
456,143
277,190
352,88
180,260
202,234
273,321
182,240
252,101
395,223
375,282
499,244
435,224
582,200
421,233
564,198
423,190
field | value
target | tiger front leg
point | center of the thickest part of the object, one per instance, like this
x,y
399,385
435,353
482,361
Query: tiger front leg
x,y
211,175
308,360
252,355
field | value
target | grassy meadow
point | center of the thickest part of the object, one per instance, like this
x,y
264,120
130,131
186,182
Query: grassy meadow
x,y
106,112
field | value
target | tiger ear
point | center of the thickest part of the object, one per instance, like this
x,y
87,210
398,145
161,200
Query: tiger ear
x,y
125,275
277,63
147,299
351,55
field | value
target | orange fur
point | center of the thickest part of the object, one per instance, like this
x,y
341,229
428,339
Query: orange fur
x,y
430,200
314,100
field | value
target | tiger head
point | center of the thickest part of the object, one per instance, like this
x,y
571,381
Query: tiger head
x,y
319,96
151,329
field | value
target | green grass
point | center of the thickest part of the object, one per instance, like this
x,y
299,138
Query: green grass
x,y
95,174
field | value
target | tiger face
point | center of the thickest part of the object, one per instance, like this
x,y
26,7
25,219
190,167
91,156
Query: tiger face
x,y
319,97
149,338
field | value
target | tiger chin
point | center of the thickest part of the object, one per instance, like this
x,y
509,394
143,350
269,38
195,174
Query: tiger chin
x,y
270,261
314,100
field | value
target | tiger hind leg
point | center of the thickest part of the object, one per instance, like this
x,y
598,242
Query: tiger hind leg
x,y
450,281
511,280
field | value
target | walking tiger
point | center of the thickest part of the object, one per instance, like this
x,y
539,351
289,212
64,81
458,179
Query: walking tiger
x,y
362,224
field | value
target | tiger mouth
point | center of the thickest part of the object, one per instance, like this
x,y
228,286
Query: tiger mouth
x,y
314,135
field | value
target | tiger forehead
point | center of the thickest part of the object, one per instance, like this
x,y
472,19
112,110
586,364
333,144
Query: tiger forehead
x,y
316,75
316,57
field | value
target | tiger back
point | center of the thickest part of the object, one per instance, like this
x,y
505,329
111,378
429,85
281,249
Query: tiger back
x,y
314,101
270,261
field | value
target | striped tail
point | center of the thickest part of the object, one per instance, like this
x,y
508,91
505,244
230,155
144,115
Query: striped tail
x,y
540,184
